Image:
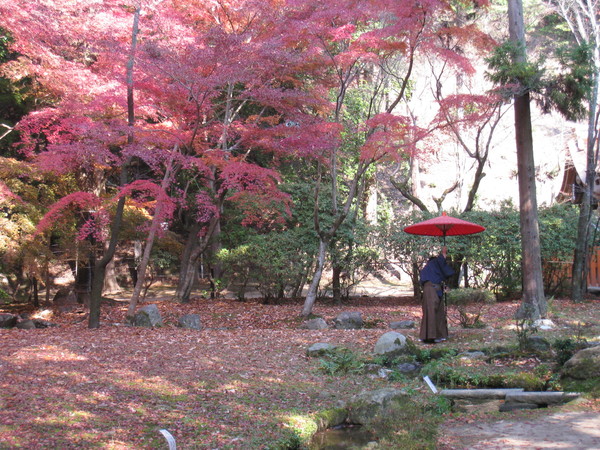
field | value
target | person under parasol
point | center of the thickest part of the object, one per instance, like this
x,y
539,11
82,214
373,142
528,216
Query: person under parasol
x,y
434,323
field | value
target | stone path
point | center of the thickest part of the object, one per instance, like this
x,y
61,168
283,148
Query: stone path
x,y
559,430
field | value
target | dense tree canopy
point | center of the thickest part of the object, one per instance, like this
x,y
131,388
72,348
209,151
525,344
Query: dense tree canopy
x,y
221,122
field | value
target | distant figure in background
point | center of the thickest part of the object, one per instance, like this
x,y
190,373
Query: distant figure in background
x,y
434,325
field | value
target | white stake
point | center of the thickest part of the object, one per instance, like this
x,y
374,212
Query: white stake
x,y
170,439
430,384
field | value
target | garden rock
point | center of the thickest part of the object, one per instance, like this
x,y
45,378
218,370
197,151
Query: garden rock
x,y
374,371
402,325
537,343
544,324
471,356
8,320
409,368
349,320
584,365
391,344
148,316
320,349
315,324
26,324
41,323
190,321
363,407
65,300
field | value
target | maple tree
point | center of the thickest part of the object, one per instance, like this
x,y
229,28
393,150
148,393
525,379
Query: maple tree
x,y
212,98
185,95
370,40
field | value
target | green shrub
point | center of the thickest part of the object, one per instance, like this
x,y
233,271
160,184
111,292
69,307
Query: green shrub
x,y
524,329
341,361
451,374
591,386
565,348
527,380
276,262
469,303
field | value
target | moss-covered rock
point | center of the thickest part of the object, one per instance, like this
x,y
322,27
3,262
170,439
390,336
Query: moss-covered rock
x,y
584,365
363,407
330,418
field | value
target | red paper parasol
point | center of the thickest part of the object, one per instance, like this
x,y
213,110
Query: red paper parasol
x,y
444,225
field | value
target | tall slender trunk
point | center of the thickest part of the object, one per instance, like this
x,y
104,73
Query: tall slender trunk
x,y
414,276
194,248
336,283
111,284
580,258
100,265
156,222
311,295
533,305
187,280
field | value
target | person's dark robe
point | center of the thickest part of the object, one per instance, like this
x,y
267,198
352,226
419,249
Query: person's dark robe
x,y
434,325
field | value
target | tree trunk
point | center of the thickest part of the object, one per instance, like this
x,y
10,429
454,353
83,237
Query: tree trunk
x,y
187,280
36,297
533,305
156,221
215,247
188,272
82,272
336,285
580,258
190,261
111,285
311,295
100,265
415,280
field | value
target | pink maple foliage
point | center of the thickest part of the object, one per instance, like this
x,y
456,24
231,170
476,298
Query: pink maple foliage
x,y
81,202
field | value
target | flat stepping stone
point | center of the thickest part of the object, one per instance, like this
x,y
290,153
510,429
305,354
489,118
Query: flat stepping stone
x,y
505,399
541,398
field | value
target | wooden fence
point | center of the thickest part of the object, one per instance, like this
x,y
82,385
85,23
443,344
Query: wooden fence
x,y
594,270
557,272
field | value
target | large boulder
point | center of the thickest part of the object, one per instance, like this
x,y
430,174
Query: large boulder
x,y
363,407
349,320
584,365
391,344
190,321
148,316
8,320
537,343
315,324
65,300
26,324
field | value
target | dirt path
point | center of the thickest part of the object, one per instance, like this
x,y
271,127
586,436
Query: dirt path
x,y
573,430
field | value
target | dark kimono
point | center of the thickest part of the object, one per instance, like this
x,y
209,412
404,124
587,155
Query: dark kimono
x,y
434,325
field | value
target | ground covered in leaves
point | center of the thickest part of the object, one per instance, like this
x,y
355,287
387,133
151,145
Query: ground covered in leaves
x,y
244,381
